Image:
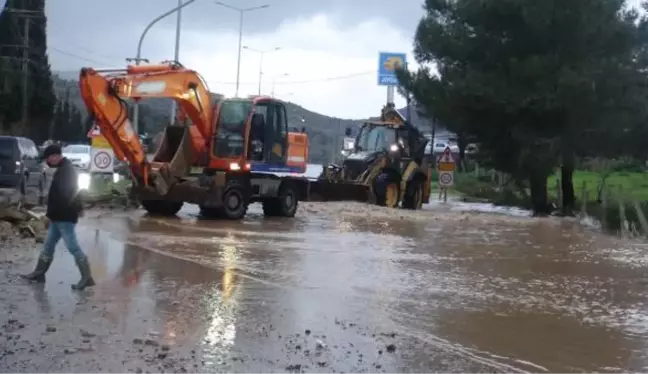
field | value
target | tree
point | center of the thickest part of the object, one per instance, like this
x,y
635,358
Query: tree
x,y
521,77
39,85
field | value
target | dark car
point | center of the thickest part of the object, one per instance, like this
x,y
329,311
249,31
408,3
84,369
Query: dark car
x,y
20,164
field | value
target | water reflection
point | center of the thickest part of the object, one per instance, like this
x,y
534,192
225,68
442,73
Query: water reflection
x,y
221,305
463,292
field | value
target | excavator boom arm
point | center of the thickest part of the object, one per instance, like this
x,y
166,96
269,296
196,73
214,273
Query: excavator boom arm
x,y
104,94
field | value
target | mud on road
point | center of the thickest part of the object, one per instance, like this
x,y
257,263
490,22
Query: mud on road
x,y
339,288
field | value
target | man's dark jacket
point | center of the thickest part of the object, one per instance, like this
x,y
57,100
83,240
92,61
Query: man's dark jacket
x,y
63,200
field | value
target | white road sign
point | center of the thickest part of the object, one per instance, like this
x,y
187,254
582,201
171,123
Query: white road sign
x,y
103,160
446,178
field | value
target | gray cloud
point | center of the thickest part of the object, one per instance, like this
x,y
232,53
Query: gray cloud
x,y
107,31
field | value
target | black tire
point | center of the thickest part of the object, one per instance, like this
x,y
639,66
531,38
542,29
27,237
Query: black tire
x,y
413,198
235,202
162,207
387,190
284,205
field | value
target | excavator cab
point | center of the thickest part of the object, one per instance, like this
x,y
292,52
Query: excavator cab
x,y
251,134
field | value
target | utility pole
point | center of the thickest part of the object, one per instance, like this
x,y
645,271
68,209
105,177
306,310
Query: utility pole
x,y
27,15
25,75
176,56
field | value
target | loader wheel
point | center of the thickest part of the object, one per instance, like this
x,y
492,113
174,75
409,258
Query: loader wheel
x,y
414,195
235,202
387,190
161,207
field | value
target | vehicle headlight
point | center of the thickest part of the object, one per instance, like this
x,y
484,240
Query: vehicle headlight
x,y
394,148
84,181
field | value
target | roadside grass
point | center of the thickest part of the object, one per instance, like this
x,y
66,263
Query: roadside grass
x,y
625,185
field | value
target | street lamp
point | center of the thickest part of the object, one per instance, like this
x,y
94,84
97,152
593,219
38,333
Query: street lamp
x,y
176,55
261,53
274,80
139,58
241,12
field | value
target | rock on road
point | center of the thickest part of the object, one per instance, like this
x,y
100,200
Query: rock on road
x,y
341,287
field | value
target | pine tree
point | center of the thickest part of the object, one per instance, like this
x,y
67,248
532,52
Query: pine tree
x,y
42,99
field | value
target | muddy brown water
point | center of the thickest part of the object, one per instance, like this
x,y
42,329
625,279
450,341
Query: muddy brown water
x,y
346,287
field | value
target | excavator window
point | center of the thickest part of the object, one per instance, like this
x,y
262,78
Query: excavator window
x,y
275,134
229,139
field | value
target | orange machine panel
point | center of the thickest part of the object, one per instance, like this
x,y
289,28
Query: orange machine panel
x,y
297,150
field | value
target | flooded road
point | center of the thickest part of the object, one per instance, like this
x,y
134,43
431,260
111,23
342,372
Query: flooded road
x,y
341,287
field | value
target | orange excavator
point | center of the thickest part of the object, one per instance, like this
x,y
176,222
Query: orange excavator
x,y
221,155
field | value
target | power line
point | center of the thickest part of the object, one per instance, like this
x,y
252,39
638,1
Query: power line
x,y
318,80
74,55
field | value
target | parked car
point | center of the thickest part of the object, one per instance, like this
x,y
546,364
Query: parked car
x,y
20,164
439,146
79,155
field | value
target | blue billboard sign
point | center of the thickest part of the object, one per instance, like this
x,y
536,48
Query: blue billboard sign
x,y
388,62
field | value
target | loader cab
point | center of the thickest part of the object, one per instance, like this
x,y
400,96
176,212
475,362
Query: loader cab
x,y
249,131
375,137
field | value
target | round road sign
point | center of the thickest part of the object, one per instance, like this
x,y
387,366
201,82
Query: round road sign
x,y
445,178
102,160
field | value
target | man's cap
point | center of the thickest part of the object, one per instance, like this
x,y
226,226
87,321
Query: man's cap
x,y
52,149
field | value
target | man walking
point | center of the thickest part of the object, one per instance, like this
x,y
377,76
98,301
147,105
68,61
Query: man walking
x,y
63,210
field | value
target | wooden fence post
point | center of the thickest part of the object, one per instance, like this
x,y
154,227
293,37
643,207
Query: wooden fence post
x,y
559,194
642,218
584,197
622,213
604,208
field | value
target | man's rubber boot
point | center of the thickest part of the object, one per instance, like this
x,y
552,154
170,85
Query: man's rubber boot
x,y
38,275
86,276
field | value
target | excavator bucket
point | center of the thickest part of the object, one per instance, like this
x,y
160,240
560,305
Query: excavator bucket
x,y
173,159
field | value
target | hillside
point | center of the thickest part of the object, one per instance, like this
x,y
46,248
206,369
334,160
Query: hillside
x,y
325,132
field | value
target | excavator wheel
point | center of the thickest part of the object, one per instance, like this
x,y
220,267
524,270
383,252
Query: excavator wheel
x,y
387,190
284,205
235,201
413,198
161,207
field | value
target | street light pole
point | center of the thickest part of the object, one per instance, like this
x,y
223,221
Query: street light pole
x,y
240,41
274,81
139,58
261,54
176,55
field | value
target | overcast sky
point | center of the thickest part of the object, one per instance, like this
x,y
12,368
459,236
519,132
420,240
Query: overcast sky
x,y
334,43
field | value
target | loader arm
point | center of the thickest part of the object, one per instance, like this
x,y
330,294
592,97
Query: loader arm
x,y
104,94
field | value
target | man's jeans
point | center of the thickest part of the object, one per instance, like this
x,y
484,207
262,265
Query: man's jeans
x,y
66,231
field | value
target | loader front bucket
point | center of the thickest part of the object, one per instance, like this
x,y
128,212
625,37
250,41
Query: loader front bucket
x,y
324,190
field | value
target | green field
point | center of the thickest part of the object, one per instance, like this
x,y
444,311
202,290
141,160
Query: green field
x,y
630,185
